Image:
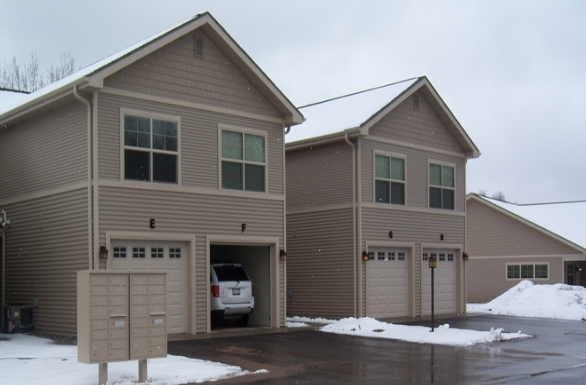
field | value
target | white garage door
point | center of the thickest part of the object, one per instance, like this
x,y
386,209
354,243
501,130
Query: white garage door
x,y
141,255
445,282
387,284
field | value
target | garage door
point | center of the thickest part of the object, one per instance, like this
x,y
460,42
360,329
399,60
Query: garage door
x,y
387,283
445,282
141,255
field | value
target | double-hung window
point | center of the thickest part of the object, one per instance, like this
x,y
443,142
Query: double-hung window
x,y
243,157
441,187
151,149
389,181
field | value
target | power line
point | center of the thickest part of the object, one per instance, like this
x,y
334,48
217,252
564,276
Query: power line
x,y
355,93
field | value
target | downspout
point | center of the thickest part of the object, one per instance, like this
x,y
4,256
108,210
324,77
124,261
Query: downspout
x,y
359,221
89,175
355,256
287,129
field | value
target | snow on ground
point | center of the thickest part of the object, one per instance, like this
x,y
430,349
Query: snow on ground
x,y
26,359
34,360
442,335
542,301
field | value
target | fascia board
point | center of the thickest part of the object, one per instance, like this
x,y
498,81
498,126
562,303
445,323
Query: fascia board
x,y
391,106
325,139
473,151
526,222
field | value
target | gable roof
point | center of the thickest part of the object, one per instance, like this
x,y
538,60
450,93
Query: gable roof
x,y
562,221
356,113
91,78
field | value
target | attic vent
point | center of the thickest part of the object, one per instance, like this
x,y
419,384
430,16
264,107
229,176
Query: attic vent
x,y
199,47
416,102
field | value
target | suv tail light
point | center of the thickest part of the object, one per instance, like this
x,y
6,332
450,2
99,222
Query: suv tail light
x,y
215,291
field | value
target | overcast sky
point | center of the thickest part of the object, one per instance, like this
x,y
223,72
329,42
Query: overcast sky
x,y
512,72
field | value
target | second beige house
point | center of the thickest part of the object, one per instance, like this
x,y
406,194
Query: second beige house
x,y
375,189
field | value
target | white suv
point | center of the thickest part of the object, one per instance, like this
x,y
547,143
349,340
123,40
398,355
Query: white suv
x,y
230,293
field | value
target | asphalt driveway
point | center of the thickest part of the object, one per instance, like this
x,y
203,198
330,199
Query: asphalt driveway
x,y
556,355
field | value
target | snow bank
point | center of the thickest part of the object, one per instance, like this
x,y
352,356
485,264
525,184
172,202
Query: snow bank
x,y
443,335
543,301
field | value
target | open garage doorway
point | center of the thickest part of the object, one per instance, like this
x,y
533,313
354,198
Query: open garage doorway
x,y
256,261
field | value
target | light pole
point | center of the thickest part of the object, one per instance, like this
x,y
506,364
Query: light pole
x,y
432,266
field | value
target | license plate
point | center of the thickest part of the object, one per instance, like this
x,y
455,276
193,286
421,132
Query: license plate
x,y
235,291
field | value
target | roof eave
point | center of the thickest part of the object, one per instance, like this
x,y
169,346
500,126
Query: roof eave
x,y
527,222
324,139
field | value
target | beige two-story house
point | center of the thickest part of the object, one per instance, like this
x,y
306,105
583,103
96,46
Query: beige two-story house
x,y
376,185
167,155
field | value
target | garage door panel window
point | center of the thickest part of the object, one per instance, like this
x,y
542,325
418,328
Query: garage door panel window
x,y
151,149
138,252
119,252
174,253
441,187
243,161
389,179
157,252
527,271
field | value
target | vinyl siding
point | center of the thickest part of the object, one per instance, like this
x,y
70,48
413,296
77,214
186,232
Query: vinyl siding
x,y
422,127
175,72
319,176
488,277
493,233
199,141
45,247
128,209
320,263
501,238
46,152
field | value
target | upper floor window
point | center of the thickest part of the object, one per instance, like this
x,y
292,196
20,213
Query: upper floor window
x,y
389,180
151,149
441,187
243,161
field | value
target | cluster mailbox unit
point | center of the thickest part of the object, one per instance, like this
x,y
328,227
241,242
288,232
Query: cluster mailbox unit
x,y
121,315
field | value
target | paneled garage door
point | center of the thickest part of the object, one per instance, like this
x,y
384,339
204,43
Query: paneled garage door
x,y
141,255
387,283
445,286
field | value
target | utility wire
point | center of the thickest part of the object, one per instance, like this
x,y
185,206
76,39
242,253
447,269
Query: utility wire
x,y
534,204
356,93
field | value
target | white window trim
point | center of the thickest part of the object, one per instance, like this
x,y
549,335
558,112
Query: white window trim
x,y
390,155
448,164
244,130
151,115
526,263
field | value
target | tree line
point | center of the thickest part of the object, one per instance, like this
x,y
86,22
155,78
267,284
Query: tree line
x,y
28,77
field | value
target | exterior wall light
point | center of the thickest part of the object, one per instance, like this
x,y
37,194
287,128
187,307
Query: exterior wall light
x,y
103,252
365,256
283,255
465,256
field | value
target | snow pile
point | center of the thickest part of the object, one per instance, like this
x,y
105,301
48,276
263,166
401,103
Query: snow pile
x,y
442,335
543,301
296,324
31,360
311,320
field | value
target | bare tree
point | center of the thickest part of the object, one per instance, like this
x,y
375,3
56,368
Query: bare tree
x,y
499,196
28,78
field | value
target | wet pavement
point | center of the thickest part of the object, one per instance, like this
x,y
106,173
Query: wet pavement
x,y
555,355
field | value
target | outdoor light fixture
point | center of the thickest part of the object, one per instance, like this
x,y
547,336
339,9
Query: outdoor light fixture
x,y
283,255
432,265
465,256
441,236
103,252
365,256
